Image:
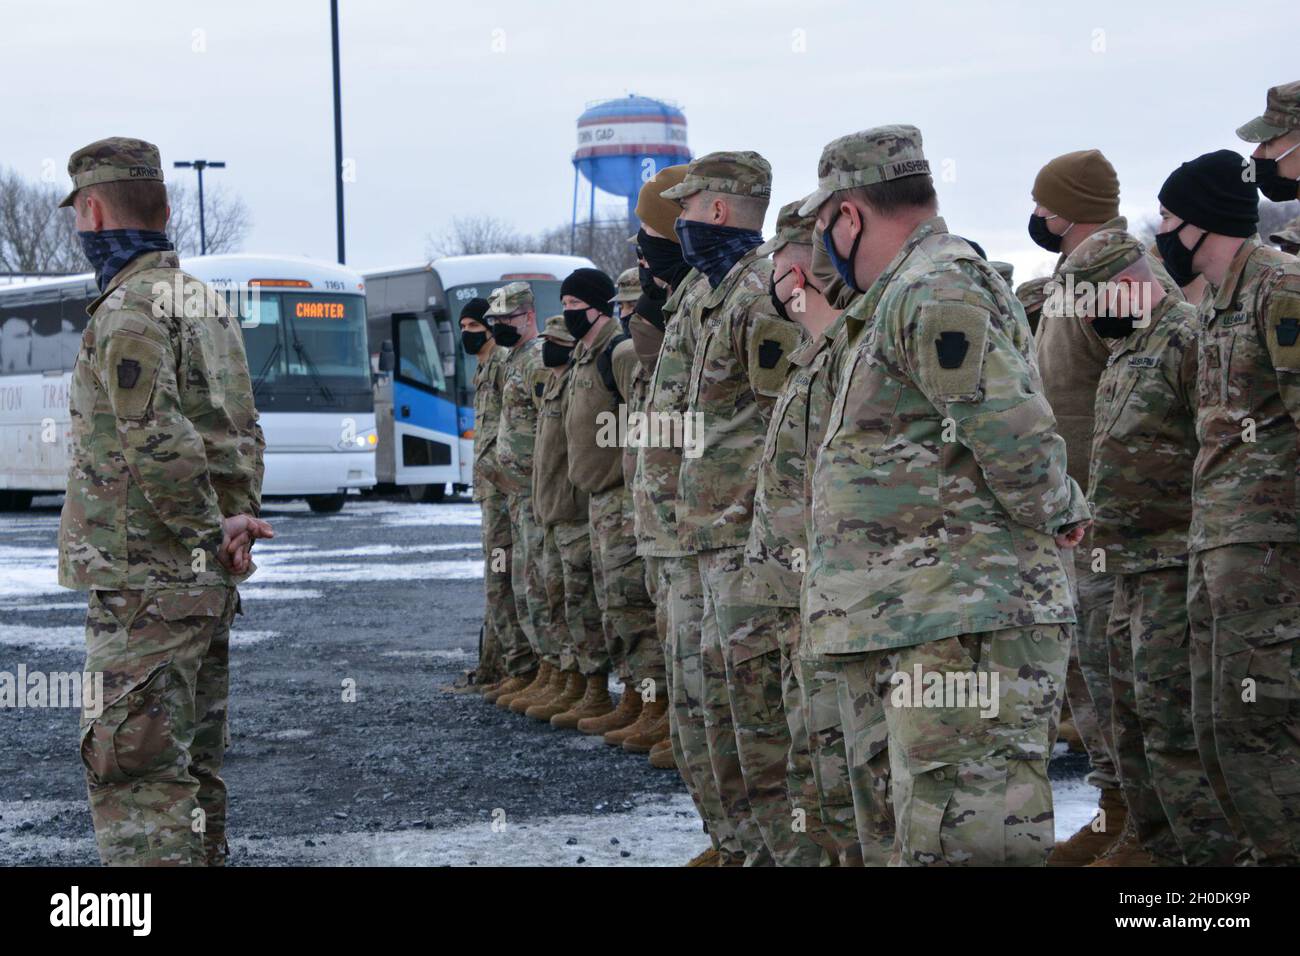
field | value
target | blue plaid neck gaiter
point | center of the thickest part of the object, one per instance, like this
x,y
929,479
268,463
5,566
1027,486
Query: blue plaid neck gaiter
x,y
715,249
109,250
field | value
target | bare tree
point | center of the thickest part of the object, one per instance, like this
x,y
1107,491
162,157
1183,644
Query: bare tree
x,y
472,235
226,219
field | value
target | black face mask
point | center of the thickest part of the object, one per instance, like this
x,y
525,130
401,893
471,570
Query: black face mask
x,y
1273,184
472,342
1176,256
577,323
777,304
649,288
555,355
1113,326
1042,236
506,335
664,258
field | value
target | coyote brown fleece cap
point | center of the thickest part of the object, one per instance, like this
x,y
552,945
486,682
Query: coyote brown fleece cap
x,y
1079,187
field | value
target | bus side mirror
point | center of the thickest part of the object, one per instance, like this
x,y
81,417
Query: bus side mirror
x,y
387,361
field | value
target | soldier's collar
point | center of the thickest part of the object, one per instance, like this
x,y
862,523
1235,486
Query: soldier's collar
x,y
729,281
1227,293
146,260
1137,339
582,353
675,299
861,309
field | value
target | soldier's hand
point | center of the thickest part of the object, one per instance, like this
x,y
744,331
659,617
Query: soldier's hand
x,y
1073,537
239,532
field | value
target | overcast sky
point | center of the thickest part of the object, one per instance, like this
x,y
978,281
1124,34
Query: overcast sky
x,y
440,124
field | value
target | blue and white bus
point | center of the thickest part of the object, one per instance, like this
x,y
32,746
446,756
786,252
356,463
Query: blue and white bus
x,y
304,325
424,413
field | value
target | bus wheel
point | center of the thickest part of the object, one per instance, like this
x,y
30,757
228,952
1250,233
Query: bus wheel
x,y
15,500
325,504
428,494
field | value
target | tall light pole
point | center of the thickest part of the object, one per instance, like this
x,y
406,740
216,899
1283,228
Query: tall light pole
x,y
199,165
338,128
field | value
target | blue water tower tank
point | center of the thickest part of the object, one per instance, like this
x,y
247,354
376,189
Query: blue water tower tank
x,y
622,143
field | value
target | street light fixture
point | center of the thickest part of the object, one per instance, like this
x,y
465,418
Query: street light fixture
x,y
199,165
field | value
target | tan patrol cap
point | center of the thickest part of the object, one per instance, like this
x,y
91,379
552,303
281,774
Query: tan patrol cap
x,y
118,158
1281,115
790,227
738,172
509,299
871,156
628,286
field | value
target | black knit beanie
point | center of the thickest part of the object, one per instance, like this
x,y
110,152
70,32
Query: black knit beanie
x,y
1213,193
475,309
591,286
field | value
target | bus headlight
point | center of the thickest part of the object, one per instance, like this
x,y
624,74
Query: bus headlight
x,y
362,441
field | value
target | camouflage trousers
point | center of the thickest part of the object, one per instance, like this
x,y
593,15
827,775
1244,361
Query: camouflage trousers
x,y
865,737
741,646
553,641
584,640
153,756
1244,605
1168,796
819,702
968,765
619,573
528,586
1088,680
499,615
685,601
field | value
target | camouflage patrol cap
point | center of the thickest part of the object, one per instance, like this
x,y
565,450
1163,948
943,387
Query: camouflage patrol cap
x,y
1033,294
876,155
790,227
1281,115
738,172
1288,234
509,299
111,160
1005,269
1102,256
628,285
555,330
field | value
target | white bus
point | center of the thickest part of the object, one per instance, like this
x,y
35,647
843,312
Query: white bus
x,y
425,411
304,324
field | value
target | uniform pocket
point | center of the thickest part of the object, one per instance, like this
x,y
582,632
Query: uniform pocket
x,y
919,831
179,605
135,735
1254,655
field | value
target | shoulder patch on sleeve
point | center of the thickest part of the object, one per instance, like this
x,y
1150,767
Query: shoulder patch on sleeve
x,y
771,342
951,347
131,364
1283,329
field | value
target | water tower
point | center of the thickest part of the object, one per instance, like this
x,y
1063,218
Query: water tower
x,y
621,144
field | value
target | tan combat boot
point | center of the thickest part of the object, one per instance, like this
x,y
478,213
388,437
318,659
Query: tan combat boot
x,y
708,858
1088,844
629,708
571,687
650,728
544,693
595,703
535,691
1126,851
661,756
503,699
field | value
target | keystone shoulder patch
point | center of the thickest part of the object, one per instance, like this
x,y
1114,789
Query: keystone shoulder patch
x,y
952,348
769,353
128,373
1287,331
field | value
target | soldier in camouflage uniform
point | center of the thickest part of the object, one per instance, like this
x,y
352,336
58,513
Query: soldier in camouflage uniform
x,y
596,466
1244,574
499,615
1140,493
580,659
740,361
940,503
166,471
777,550
654,490
514,326
1032,295
627,289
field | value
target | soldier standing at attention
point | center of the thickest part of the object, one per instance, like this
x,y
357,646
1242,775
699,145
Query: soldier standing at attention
x,y
1140,492
940,505
499,614
627,291
1244,576
514,326
159,518
740,360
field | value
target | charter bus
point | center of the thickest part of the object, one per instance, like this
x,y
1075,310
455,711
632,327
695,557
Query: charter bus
x,y
304,326
424,411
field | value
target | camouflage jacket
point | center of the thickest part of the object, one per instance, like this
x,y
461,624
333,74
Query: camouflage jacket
x,y
777,551
635,386
659,460
739,364
593,417
487,419
1144,444
941,479
1244,486
523,381
554,496
165,436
